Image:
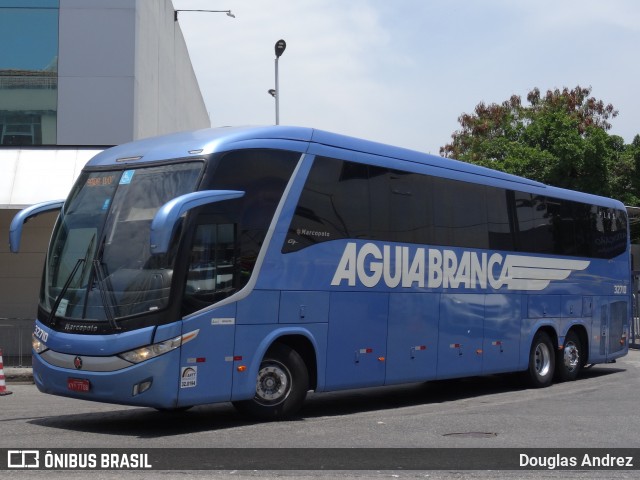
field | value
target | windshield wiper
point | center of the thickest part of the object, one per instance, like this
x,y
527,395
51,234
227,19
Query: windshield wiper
x,y
56,304
97,268
60,297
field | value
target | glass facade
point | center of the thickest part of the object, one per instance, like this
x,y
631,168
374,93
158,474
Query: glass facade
x,y
28,71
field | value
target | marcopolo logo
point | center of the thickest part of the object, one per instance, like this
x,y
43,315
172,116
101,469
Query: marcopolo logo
x,y
398,266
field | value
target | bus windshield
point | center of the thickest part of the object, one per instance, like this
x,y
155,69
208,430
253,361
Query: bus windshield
x,y
99,265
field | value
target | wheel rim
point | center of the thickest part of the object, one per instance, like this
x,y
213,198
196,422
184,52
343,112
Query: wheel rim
x,y
273,384
542,359
571,356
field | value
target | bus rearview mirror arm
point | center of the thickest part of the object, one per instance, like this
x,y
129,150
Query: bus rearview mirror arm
x,y
15,229
165,220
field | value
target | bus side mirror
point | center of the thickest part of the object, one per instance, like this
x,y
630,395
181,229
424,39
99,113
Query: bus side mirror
x,y
15,229
165,220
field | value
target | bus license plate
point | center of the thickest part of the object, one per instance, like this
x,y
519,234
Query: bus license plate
x,y
78,384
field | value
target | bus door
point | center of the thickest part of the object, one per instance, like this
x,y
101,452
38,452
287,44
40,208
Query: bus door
x,y
206,362
206,366
356,352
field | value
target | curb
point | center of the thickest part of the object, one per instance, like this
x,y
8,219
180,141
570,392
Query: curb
x,y
18,374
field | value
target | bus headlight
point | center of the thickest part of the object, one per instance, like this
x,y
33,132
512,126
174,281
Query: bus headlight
x,y
37,345
150,351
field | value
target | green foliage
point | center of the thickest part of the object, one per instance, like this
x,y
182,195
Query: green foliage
x,y
559,139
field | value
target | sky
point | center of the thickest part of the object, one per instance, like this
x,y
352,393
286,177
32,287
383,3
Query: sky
x,y
402,71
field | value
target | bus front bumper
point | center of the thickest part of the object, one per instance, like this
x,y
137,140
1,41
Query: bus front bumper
x,y
152,383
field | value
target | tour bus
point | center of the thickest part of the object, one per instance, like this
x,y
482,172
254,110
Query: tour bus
x,y
252,265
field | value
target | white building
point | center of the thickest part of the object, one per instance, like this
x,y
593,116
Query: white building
x,y
77,76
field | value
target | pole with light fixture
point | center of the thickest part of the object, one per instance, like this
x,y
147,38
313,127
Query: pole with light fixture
x,y
228,12
279,48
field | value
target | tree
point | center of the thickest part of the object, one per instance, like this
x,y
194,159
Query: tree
x,y
560,139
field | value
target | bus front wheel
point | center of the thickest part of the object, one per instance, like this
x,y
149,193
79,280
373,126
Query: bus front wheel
x,y
542,361
281,385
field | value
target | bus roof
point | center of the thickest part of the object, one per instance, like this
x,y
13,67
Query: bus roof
x,y
203,142
195,143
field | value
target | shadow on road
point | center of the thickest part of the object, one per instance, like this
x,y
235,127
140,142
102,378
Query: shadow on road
x,y
150,423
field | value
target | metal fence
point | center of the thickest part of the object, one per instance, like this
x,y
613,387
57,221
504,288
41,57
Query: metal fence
x,y
634,340
15,341
634,334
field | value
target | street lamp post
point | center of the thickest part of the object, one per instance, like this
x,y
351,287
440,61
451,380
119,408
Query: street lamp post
x,y
279,48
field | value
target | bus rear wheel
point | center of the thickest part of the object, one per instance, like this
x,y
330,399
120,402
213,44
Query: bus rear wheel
x,y
542,361
281,385
569,360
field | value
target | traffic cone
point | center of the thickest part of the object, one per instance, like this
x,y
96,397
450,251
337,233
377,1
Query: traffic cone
x,y
3,386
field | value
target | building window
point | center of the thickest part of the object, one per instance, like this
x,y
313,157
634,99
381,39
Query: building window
x,y
28,71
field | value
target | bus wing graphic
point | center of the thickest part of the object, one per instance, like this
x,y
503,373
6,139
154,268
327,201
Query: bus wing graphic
x,y
522,272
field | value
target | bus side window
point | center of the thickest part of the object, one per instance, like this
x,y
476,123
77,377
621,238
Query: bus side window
x,y
499,220
459,214
334,204
212,264
410,218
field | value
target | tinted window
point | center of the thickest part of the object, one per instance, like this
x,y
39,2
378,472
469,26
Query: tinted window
x,y
410,212
230,234
334,204
499,218
460,214
561,227
609,238
350,200
534,233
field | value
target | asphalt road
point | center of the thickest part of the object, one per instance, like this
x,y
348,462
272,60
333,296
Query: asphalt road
x,y
597,411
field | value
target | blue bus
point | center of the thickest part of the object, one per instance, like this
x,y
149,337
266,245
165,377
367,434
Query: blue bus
x,y
253,265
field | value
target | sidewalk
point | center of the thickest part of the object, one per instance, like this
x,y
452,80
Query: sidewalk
x,y
18,375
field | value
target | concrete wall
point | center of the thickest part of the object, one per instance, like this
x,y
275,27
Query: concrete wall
x,y
167,95
124,73
21,273
96,67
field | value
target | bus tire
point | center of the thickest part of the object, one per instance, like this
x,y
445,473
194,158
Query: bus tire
x,y
542,361
569,360
281,385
